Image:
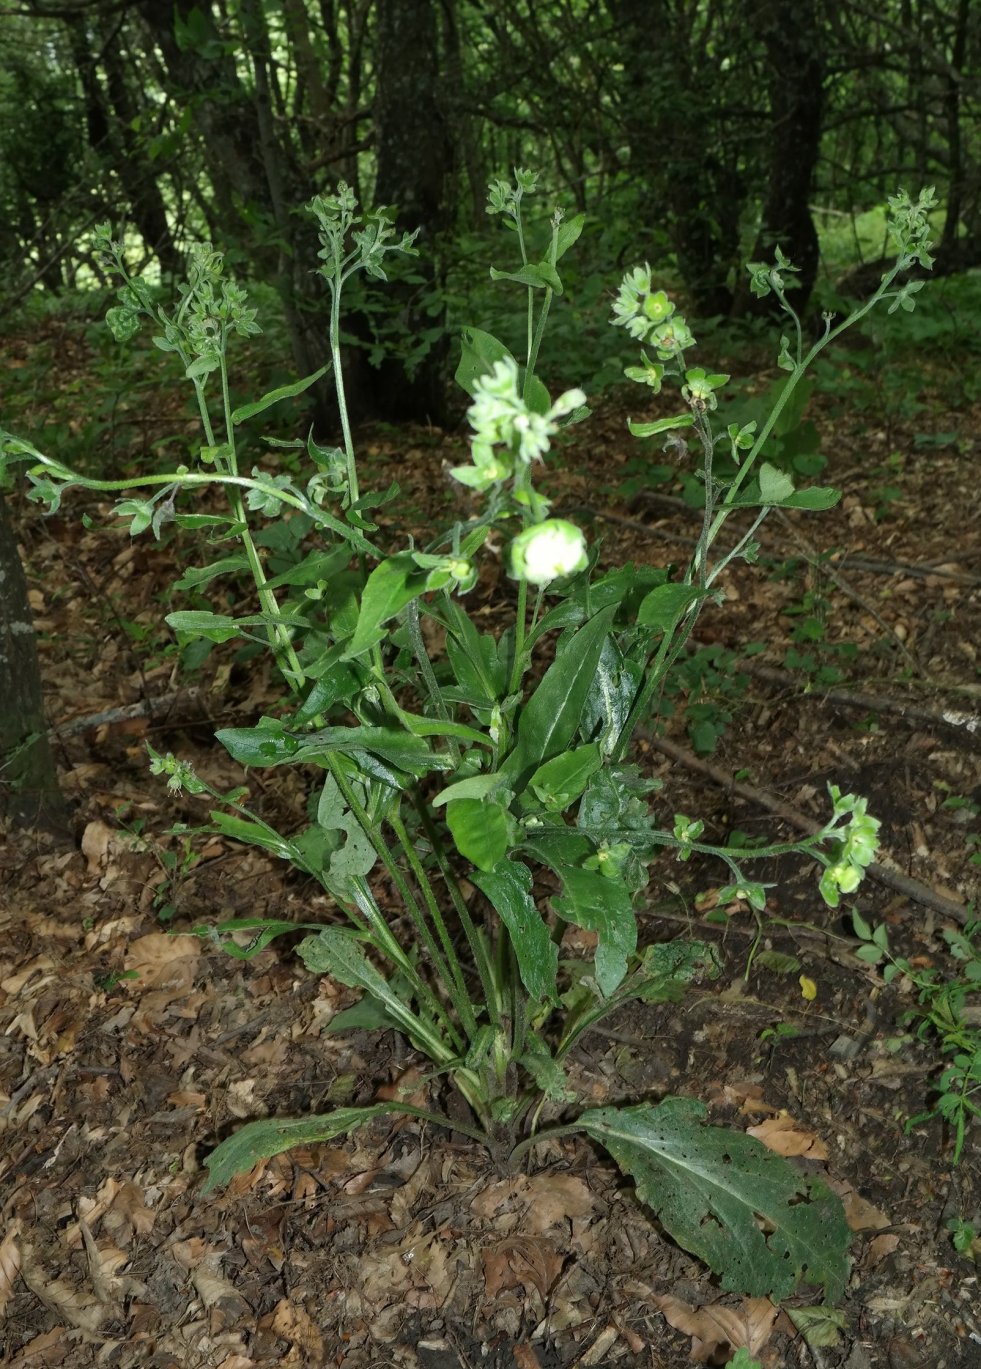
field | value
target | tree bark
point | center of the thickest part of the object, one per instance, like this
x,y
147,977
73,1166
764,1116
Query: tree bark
x,y
794,39
29,793
416,157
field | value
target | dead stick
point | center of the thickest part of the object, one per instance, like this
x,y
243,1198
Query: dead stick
x,y
970,722
884,874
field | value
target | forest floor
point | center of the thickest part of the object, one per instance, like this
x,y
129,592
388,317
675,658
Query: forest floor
x,y
126,1052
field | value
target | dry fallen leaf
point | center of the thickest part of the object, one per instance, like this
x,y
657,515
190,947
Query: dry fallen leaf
x,y
520,1262
719,1325
9,1264
785,1136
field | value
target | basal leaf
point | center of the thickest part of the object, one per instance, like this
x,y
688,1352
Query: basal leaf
x,y
257,1141
750,1215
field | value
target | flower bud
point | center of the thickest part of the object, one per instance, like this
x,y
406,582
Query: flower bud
x,y
548,550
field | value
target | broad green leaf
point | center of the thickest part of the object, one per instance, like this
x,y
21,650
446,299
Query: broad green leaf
x,y
195,576
474,787
339,682
479,351
568,233
753,1218
539,275
560,781
481,829
550,719
389,587
666,605
508,888
474,658
535,394
614,689
216,627
603,906
245,411
660,425
775,486
257,1141
336,848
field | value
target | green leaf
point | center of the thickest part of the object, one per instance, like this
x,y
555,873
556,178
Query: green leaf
x,y
474,787
508,888
389,587
568,233
540,276
257,1141
335,951
245,411
614,689
482,830
252,833
216,627
560,781
196,576
666,605
660,425
479,351
550,719
710,1187
265,929
603,906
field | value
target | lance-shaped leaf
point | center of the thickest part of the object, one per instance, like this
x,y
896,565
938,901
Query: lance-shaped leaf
x,y
482,830
508,887
478,353
750,1215
666,605
258,406
389,587
550,719
257,1141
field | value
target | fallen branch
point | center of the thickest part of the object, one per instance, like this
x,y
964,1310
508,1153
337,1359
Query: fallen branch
x,y
883,872
969,722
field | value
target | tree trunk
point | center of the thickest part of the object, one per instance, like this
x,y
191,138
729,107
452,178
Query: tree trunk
x,y
416,177
29,794
793,34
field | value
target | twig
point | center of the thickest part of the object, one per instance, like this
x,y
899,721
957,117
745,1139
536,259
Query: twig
x,y
883,873
125,713
970,722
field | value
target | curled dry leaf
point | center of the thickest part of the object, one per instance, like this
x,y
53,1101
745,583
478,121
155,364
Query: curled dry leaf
x,y
9,1264
719,1325
786,1136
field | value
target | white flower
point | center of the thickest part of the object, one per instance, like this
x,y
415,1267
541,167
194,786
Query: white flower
x,y
548,550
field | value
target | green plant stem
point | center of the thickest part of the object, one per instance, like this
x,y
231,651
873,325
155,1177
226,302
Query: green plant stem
x,y
477,944
520,616
335,352
436,701
551,1134
449,970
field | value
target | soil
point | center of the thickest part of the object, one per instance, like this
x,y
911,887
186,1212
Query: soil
x,y
126,1052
